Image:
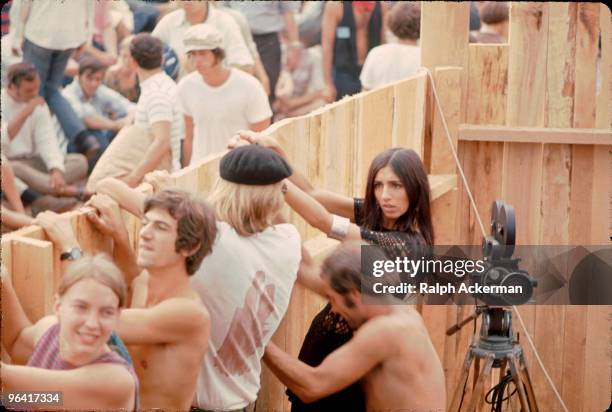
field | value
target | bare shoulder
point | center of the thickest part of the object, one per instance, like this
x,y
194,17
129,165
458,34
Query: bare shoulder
x,y
392,328
41,326
186,308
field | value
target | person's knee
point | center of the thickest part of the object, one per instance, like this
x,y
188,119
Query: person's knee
x,y
77,166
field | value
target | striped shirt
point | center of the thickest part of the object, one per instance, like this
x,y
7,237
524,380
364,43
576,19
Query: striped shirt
x,y
46,355
157,103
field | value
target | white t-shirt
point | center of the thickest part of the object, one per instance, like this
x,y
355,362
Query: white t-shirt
x,y
388,63
245,283
158,103
36,138
172,27
219,112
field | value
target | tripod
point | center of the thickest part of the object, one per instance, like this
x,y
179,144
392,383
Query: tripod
x,y
497,348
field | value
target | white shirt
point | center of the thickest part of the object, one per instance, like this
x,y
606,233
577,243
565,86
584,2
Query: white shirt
x,y
52,24
172,27
245,283
219,112
36,138
388,63
158,103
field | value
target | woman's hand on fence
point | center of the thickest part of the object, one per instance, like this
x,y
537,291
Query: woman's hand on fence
x,y
58,228
160,180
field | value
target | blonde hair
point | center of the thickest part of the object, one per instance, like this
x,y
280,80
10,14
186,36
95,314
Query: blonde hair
x,y
248,209
100,268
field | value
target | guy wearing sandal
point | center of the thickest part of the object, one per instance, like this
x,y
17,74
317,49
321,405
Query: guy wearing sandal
x,y
29,140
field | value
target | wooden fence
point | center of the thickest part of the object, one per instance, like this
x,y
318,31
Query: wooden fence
x,y
531,127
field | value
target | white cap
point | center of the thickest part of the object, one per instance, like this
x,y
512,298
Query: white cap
x,y
202,37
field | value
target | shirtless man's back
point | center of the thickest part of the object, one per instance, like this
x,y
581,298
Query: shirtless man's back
x,y
413,378
390,353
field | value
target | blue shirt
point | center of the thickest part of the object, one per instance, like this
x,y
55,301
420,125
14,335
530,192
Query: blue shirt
x,y
105,102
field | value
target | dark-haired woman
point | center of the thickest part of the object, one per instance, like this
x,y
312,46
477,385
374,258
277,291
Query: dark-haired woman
x,y
395,214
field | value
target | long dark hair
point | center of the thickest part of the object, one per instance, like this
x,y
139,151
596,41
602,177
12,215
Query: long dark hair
x,y
408,167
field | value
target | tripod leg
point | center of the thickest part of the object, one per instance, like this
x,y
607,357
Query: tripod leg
x,y
479,389
518,381
527,379
459,390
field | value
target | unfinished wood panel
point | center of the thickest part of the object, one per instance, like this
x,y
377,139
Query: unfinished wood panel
x,y
447,47
527,64
482,165
187,178
33,278
551,135
556,164
522,162
603,114
409,113
597,383
447,81
7,255
574,352
338,133
375,128
208,173
487,84
587,36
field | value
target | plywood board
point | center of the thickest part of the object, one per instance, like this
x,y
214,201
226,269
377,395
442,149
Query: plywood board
x,y
33,278
409,113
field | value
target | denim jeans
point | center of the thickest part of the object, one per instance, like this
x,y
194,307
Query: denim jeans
x,y
346,83
50,65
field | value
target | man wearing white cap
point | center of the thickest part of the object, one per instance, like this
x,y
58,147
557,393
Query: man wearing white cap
x,y
216,101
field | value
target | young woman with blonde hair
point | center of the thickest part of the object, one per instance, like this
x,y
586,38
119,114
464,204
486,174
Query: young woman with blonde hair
x,y
69,352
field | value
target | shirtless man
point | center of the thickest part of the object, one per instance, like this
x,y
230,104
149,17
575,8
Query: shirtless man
x,y
348,31
167,326
390,352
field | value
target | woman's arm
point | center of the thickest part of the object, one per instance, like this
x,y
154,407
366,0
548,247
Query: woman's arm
x,y
129,199
98,386
14,321
335,203
314,213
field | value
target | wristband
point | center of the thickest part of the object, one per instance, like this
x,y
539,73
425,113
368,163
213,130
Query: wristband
x,y
339,228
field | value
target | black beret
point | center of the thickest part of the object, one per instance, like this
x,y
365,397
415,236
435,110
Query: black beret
x,y
254,165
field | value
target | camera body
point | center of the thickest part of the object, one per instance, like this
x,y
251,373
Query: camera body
x,y
501,269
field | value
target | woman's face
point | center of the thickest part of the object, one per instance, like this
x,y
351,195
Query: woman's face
x,y
390,195
88,312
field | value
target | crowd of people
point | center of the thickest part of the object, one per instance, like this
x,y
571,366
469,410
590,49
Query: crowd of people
x,y
100,96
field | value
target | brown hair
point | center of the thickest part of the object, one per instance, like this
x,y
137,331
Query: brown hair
x,y
196,225
494,12
91,64
19,72
100,268
219,54
408,167
147,51
404,20
344,269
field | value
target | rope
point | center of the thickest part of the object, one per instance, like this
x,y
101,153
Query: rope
x,y
450,143
473,204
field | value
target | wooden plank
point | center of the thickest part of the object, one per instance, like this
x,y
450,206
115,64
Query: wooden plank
x,y
409,113
33,278
439,185
487,84
447,47
208,173
527,64
603,113
551,135
447,81
526,107
375,128
587,36
7,254
556,164
338,133
597,383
